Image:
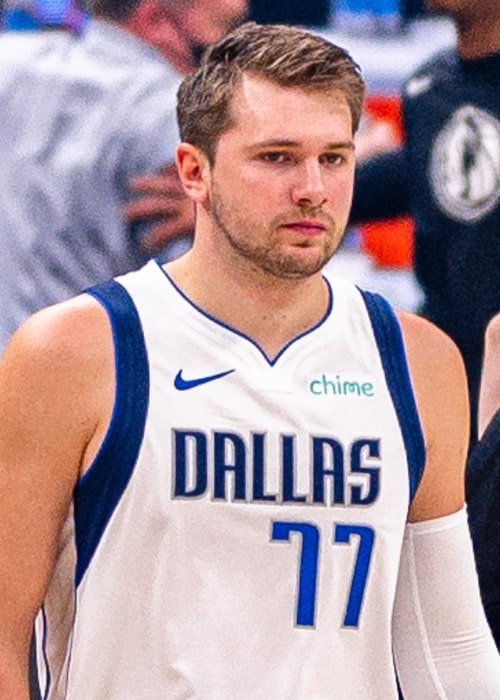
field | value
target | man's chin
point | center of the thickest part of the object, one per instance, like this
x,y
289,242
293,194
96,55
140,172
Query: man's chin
x,y
296,266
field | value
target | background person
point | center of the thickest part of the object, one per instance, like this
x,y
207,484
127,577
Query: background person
x,y
448,177
183,547
81,116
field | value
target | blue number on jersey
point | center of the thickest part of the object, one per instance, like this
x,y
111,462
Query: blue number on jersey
x,y
308,567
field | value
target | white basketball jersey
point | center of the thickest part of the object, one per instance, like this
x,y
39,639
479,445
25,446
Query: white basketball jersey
x,y
238,536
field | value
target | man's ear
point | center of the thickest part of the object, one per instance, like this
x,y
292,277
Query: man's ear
x,y
194,172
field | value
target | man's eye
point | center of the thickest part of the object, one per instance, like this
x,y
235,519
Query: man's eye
x,y
275,157
333,159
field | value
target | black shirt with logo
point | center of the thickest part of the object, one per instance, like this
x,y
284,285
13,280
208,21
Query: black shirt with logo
x,y
448,177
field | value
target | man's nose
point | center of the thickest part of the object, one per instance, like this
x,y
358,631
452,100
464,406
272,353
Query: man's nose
x,y
309,188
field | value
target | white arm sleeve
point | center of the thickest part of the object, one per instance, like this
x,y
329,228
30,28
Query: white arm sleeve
x,y
443,648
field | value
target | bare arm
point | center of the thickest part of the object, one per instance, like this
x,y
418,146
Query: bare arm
x,y
489,393
440,386
443,647
54,403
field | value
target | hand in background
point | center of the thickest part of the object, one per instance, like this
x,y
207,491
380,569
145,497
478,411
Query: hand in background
x,y
160,201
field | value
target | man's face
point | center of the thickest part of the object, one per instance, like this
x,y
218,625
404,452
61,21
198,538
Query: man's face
x,y
207,21
281,186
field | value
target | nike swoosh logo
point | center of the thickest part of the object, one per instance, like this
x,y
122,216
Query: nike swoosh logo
x,y
182,384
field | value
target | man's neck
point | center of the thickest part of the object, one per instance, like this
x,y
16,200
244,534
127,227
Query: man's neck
x,y
272,312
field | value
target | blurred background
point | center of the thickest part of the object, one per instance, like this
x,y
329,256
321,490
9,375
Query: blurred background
x,y
389,39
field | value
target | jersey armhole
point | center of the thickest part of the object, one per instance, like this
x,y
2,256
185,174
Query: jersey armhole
x,y
98,492
389,340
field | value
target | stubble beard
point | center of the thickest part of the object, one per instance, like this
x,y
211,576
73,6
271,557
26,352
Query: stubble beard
x,y
271,259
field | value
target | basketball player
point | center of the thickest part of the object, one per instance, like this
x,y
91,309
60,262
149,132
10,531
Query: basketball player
x,y
216,481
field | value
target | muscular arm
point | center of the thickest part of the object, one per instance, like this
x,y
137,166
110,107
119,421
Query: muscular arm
x,y
381,189
442,644
440,387
51,421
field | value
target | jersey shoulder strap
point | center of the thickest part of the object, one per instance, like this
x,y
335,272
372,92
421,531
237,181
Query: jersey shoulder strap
x,y
99,491
389,339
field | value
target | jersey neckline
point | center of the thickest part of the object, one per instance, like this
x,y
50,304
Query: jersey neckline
x,y
240,334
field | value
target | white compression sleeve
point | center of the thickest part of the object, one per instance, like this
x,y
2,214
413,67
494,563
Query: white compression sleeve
x,y
443,647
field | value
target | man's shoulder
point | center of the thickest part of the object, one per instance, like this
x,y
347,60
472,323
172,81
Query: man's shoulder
x,y
423,329
69,332
430,350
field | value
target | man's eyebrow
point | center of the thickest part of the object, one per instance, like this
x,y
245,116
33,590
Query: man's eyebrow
x,y
288,143
340,144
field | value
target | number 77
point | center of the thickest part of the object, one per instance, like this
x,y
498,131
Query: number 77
x,y
308,567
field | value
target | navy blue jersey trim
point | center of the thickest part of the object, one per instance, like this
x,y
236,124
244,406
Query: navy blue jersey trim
x,y
99,491
392,354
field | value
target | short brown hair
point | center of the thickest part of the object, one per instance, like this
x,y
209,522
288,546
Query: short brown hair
x,y
286,56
